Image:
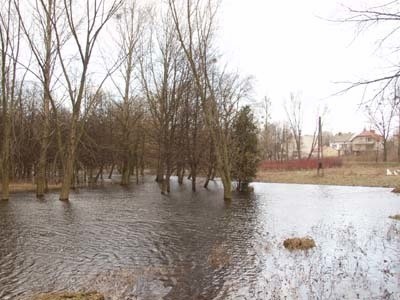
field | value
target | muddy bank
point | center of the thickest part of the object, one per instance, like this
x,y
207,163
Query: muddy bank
x,y
69,296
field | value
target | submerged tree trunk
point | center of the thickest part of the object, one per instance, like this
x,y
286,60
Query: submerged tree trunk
x,y
209,177
137,172
180,173
69,160
168,179
67,176
111,171
194,176
163,184
99,175
46,68
41,180
126,173
160,170
226,182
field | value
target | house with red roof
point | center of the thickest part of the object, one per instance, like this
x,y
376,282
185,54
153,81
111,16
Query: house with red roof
x,y
367,141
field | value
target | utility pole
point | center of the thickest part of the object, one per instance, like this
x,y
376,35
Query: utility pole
x,y
320,168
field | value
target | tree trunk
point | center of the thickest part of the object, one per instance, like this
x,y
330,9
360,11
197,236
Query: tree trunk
x,y
209,174
41,179
5,163
213,174
111,171
168,176
226,182
181,174
298,146
194,176
137,170
67,177
126,173
164,185
77,180
99,175
69,161
160,172
385,151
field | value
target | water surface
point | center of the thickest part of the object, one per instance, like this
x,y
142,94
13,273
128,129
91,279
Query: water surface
x,y
137,244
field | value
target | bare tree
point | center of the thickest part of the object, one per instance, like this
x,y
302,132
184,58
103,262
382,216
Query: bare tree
x,y
40,37
294,114
385,18
381,116
165,78
130,26
10,37
266,141
195,25
84,21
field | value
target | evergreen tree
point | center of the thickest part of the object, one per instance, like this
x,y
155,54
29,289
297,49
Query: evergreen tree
x,y
245,160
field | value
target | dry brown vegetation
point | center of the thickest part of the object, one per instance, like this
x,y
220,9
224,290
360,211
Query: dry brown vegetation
x,y
350,174
395,217
299,243
70,296
28,187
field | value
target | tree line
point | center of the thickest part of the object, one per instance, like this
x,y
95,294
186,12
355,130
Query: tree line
x,y
90,87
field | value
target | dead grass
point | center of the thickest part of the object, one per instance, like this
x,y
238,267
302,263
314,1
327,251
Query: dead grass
x,y
70,296
350,174
299,243
395,217
16,187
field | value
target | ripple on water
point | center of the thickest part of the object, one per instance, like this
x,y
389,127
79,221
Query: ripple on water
x,y
129,243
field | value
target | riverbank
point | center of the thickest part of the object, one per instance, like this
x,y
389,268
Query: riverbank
x,y
350,174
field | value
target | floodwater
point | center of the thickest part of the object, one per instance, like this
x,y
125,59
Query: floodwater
x,y
137,244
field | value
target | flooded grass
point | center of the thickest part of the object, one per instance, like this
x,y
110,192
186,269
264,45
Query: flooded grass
x,y
70,296
304,243
395,217
396,190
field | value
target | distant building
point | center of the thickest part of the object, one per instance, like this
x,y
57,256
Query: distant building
x,y
306,145
328,151
341,142
366,142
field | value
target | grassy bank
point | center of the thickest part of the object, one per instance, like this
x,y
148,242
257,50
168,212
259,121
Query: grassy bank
x,y
350,174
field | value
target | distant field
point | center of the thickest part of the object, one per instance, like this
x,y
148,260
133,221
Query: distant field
x,y
350,173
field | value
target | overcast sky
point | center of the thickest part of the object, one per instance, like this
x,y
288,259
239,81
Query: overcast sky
x,y
289,46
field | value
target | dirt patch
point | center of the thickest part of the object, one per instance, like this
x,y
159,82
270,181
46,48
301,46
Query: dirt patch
x,y
69,296
218,256
299,243
395,217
